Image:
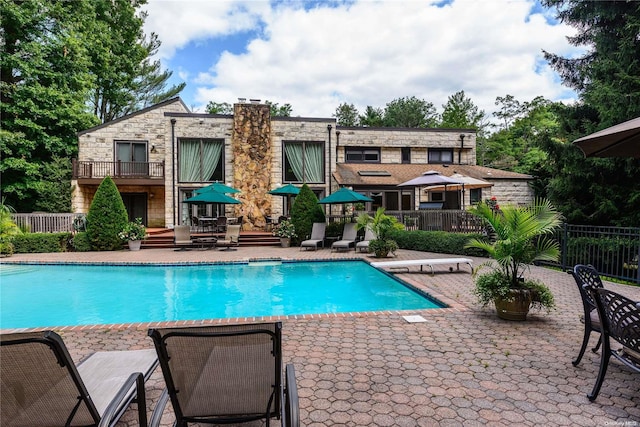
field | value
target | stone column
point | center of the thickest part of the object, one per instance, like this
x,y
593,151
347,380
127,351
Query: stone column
x,y
252,158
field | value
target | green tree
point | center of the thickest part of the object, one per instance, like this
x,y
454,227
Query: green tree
x,y
461,113
45,77
346,115
372,117
304,212
106,218
219,108
606,76
410,112
279,110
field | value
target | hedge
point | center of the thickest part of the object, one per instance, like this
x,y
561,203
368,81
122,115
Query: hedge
x,y
32,243
436,241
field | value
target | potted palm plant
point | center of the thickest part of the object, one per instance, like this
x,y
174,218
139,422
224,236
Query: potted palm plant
x,y
519,236
286,231
133,233
381,224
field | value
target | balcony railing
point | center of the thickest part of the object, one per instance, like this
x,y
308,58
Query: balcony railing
x,y
133,170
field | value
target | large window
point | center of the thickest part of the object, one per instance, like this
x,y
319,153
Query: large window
x,y
200,160
406,155
304,162
440,155
362,155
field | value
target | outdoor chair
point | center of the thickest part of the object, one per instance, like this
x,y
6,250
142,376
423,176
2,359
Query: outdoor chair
x,y
621,322
182,237
225,374
363,245
231,238
587,275
317,236
221,224
41,386
348,238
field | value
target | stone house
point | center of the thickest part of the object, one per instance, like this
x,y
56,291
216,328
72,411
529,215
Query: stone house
x,y
159,155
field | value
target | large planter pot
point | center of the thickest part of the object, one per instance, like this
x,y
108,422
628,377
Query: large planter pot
x,y
285,242
134,245
516,307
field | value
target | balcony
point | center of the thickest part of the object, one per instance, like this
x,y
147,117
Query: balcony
x,y
129,173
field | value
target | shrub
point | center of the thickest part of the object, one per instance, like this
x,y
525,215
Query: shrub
x,y
80,242
106,218
33,243
133,231
436,241
8,229
304,212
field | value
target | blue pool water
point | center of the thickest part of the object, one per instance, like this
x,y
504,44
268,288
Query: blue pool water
x,y
65,295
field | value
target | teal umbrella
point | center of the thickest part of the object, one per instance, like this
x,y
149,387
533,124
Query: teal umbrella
x,y
344,195
211,197
286,190
217,186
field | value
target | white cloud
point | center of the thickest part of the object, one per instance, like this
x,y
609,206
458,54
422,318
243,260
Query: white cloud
x,y
369,53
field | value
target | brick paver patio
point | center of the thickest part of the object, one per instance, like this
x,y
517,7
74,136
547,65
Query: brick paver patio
x,y
462,367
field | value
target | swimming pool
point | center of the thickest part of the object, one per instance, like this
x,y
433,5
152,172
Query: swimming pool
x,y
69,295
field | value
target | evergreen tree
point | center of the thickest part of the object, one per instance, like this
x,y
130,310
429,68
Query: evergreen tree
x,y
410,112
461,113
346,115
106,218
304,212
372,117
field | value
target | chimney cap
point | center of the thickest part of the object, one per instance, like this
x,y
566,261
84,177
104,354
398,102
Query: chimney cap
x,y
242,99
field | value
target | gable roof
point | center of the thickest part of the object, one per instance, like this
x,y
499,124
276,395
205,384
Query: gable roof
x,y
136,113
387,174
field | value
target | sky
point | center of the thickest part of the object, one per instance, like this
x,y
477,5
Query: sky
x,y
316,55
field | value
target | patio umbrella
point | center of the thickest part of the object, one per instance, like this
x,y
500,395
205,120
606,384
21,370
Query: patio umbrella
x,y
211,197
286,191
622,140
217,186
430,179
344,195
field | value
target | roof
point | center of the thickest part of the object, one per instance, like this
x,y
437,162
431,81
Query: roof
x,y
380,174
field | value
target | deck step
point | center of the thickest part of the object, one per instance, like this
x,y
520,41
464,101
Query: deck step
x,y
164,239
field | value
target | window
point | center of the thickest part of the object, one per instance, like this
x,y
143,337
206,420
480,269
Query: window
x,y
303,162
406,155
475,195
439,155
200,160
362,155
131,158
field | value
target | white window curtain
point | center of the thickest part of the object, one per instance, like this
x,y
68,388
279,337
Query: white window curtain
x,y
313,162
189,160
199,159
293,151
211,152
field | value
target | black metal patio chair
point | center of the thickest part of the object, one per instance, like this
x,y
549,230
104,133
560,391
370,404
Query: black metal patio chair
x,y
587,275
620,318
225,374
41,385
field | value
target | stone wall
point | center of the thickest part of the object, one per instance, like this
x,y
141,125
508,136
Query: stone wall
x,y
251,155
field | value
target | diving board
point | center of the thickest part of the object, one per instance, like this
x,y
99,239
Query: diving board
x,y
422,262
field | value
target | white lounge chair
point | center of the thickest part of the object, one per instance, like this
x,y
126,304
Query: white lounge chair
x,y
348,239
422,262
317,236
363,245
182,237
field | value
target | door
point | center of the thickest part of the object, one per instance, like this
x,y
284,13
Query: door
x,y
131,158
136,204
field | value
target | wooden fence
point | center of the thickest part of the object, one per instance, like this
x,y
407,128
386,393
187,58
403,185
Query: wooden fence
x,y
45,222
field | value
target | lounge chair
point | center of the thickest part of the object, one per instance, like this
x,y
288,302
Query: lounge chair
x,y
231,238
620,317
587,275
348,238
317,236
363,245
182,237
41,386
225,374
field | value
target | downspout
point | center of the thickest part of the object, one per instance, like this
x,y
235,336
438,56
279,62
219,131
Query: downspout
x,y
461,147
329,177
173,169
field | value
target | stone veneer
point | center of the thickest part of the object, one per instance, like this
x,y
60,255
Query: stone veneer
x,y
252,160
